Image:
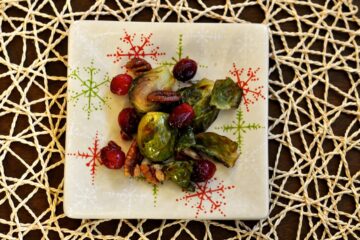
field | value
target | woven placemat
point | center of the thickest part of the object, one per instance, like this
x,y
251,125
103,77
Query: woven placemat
x,y
314,122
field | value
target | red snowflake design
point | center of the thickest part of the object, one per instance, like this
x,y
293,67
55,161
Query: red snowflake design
x,y
93,154
136,50
207,198
250,94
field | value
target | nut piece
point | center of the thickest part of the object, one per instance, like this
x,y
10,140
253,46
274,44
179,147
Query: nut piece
x,y
137,171
149,173
138,65
163,96
133,157
159,174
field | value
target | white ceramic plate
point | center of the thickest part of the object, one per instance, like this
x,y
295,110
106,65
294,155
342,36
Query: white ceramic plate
x,y
98,51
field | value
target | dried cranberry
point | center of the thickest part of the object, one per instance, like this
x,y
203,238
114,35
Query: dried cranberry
x,y
203,170
120,84
181,116
112,156
125,136
185,69
128,120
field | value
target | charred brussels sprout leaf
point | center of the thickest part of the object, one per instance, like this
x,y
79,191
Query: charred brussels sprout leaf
x,y
155,138
156,79
186,139
180,173
217,147
196,92
206,116
226,94
199,96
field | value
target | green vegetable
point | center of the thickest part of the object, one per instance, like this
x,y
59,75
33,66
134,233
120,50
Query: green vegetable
x,y
158,78
185,139
180,173
217,147
155,138
199,96
226,94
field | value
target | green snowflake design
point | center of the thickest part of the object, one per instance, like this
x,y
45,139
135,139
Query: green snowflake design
x,y
155,192
179,55
89,89
239,127
155,189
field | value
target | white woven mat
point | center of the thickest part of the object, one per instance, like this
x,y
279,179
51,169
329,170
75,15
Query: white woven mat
x,y
314,118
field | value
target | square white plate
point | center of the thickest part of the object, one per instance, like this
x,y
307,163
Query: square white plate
x,y
98,51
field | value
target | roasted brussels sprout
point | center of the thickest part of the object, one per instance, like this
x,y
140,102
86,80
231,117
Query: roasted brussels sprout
x,y
186,139
155,138
217,147
226,94
180,173
156,79
199,96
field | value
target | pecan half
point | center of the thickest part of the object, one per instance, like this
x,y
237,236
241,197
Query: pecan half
x,y
164,96
149,173
133,157
138,65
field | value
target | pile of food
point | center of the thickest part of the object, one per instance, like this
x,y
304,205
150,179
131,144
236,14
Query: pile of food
x,y
168,126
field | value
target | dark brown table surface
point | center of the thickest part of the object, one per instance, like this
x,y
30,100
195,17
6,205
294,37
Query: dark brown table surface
x,y
284,223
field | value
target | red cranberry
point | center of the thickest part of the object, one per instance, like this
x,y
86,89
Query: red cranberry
x,y
128,120
181,116
125,136
112,156
203,170
120,84
185,69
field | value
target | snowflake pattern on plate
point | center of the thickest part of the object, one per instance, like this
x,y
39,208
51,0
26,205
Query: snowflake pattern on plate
x,y
251,94
154,189
239,127
208,197
90,89
93,154
179,55
155,192
136,49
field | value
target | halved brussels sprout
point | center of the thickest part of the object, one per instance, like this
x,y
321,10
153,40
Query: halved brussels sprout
x,y
226,94
217,147
180,173
199,96
156,79
186,139
155,138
